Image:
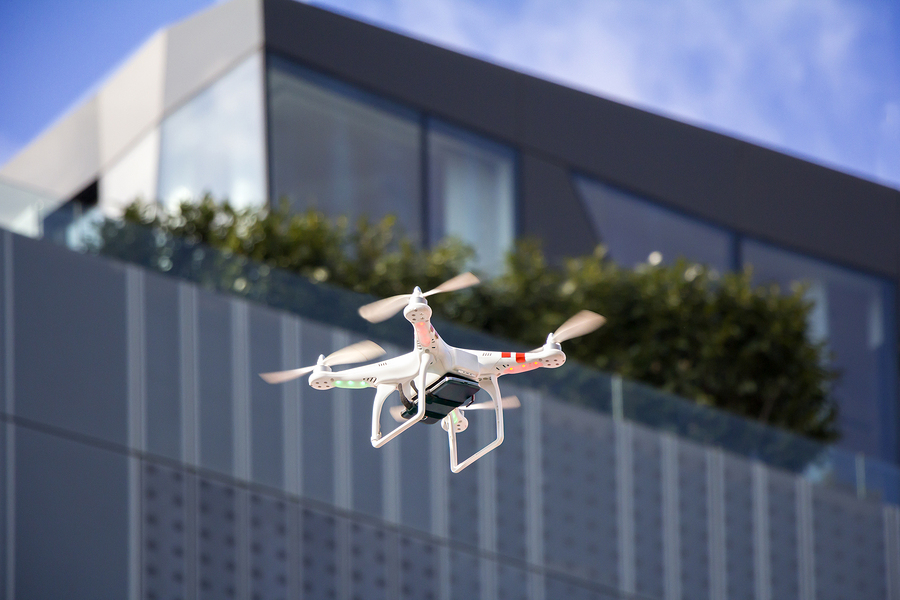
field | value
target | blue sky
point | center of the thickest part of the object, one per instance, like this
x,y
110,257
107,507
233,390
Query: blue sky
x,y
816,78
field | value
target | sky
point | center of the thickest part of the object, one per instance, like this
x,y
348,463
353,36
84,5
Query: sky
x,y
819,79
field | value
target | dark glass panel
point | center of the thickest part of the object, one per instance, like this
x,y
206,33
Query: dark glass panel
x,y
854,312
632,228
342,151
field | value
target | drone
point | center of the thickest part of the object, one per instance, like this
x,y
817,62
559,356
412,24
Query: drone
x,y
435,382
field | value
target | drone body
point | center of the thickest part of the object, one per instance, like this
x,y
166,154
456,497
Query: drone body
x,y
449,376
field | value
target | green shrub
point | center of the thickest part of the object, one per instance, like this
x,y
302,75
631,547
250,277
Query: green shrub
x,y
720,341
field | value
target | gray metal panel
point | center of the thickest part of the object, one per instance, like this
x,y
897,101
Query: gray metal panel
x,y
739,528
510,486
693,520
319,558
71,367
648,512
163,366
269,547
163,536
266,401
849,546
71,519
371,553
580,503
783,542
316,423
215,381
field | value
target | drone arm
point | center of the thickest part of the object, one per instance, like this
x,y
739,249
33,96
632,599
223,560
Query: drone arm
x,y
490,386
382,393
510,363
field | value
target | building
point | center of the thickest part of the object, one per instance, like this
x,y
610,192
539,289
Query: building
x,y
139,446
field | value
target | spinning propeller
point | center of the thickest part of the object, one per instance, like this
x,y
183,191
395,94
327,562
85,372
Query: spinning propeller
x,y
577,325
354,353
507,402
378,311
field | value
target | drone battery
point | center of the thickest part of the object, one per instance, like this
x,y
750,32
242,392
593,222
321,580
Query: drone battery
x,y
443,396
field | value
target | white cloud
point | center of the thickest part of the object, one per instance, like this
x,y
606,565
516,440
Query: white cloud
x,y
808,76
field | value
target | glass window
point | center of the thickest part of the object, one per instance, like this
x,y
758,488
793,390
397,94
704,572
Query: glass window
x,y
341,151
214,143
471,193
632,229
854,313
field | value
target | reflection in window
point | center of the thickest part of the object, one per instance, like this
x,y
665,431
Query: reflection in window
x,y
632,229
853,312
342,151
214,143
471,193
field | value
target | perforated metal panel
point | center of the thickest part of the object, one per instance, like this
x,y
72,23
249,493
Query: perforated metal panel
x,y
418,569
269,557
319,567
783,535
648,537
465,575
579,494
372,563
163,533
510,486
849,547
739,528
217,540
693,520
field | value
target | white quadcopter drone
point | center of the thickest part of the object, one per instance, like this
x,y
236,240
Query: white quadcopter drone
x,y
450,377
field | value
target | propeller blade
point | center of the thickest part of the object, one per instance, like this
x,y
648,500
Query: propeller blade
x,y
396,412
457,283
354,353
282,376
579,324
506,402
380,310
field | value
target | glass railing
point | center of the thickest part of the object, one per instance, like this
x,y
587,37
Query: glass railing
x,y
22,210
628,400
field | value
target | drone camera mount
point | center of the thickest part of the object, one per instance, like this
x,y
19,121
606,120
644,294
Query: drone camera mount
x,y
444,395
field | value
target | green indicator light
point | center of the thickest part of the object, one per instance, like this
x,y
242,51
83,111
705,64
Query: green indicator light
x,y
351,385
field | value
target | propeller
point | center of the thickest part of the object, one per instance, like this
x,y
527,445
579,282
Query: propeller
x,y
507,402
354,353
575,326
378,311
